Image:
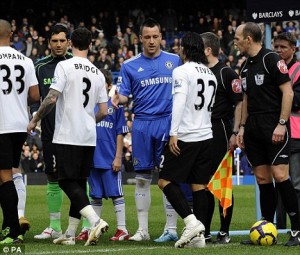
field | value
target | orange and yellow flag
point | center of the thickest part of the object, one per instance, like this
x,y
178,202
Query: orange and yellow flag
x,y
220,184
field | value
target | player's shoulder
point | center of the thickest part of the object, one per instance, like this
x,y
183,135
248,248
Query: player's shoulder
x,y
269,55
169,54
272,59
227,70
43,61
188,68
68,62
133,59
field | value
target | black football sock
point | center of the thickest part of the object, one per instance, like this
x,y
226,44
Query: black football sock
x,y
9,204
268,201
210,211
225,221
290,202
77,195
280,212
298,197
177,200
200,205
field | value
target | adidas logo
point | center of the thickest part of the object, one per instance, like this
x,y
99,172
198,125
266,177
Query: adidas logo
x,y
140,69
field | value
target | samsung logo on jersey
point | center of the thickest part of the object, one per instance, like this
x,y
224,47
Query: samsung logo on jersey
x,y
156,81
48,81
105,124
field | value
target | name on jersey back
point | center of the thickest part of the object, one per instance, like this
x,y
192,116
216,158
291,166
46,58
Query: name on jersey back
x,y
11,56
86,68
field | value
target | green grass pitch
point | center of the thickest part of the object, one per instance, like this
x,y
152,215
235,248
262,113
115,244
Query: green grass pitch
x,y
243,218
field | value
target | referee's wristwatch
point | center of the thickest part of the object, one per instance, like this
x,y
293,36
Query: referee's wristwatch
x,y
282,122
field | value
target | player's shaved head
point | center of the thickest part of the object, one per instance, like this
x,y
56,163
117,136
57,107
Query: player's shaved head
x,y
5,29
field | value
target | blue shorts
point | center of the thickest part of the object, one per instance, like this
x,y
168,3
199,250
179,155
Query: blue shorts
x,y
148,141
104,183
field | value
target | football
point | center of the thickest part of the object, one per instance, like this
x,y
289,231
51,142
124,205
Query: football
x,y
263,233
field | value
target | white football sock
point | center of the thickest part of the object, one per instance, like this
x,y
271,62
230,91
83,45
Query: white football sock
x,y
97,205
171,216
142,201
21,190
72,227
119,206
90,214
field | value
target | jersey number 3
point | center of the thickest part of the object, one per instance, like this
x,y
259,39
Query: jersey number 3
x,y
86,90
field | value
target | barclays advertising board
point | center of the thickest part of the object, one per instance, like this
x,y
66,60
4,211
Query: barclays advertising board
x,y
272,10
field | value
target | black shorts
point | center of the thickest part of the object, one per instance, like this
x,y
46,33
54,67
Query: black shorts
x,y
222,132
73,162
49,155
193,166
258,141
10,149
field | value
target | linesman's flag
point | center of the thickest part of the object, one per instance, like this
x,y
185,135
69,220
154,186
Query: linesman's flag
x,y
220,184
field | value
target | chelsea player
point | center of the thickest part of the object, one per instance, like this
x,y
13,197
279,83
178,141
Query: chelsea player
x,y
147,77
105,179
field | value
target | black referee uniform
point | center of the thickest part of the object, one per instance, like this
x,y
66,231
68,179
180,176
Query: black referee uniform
x,y
228,94
261,77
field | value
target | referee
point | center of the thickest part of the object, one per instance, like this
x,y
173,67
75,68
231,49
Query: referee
x,y
264,128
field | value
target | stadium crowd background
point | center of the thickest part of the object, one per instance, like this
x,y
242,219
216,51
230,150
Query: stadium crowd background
x,y
115,30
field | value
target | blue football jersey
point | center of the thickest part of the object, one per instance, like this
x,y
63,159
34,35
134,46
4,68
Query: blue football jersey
x,y
149,81
108,129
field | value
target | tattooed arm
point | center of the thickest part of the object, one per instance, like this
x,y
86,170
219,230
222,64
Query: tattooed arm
x,y
46,106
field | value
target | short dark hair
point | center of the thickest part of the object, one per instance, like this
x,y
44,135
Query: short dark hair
x,y
150,22
81,38
286,36
107,75
253,30
193,47
59,28
212,41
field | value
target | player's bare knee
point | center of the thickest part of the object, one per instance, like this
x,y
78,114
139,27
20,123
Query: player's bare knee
x,y
263,180
162,183
280,177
